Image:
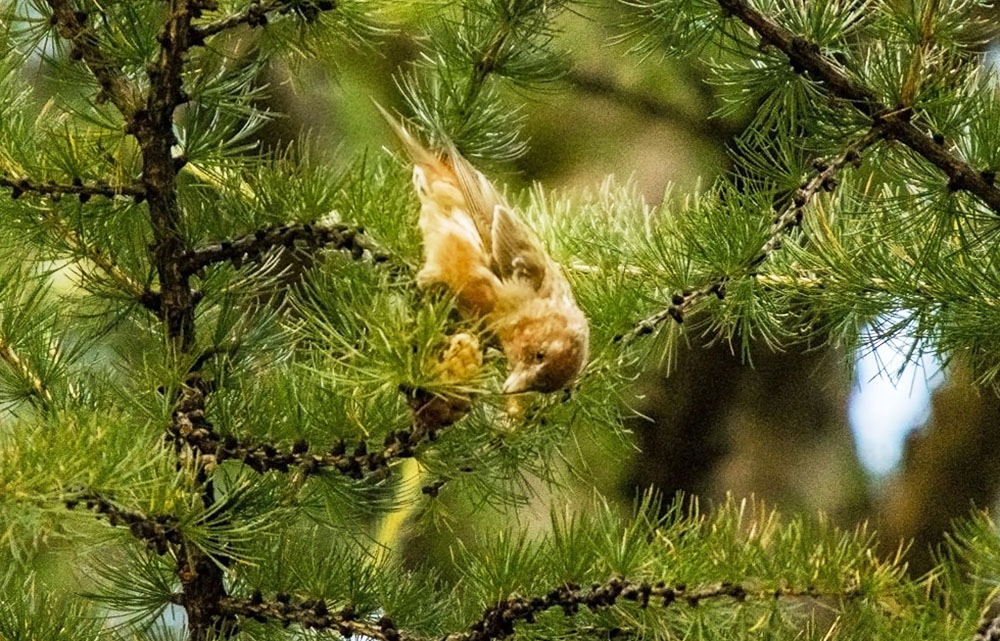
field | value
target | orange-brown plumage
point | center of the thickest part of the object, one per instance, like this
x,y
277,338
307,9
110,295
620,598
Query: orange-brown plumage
x,y
497,268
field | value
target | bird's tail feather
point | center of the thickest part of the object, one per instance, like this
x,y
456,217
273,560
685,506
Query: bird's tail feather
x,y
420,154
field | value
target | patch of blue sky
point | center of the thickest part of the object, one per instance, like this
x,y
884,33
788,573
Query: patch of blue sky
x,y
892,398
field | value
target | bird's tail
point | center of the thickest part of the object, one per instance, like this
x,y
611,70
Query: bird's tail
x,y
417,152
479,196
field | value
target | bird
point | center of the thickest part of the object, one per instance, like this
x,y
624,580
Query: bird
x,y
481,249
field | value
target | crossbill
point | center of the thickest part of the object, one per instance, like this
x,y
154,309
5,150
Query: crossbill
x,y
496,267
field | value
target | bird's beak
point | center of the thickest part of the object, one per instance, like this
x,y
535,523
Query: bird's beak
x,y
518,381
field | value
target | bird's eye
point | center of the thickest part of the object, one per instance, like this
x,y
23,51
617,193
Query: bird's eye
x,y
540,356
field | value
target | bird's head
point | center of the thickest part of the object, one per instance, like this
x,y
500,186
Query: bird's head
x,y
545,351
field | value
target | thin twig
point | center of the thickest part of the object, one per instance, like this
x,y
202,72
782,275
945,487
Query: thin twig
x,y
10,356
894,123
142,293
499,621
84,191
158,532
72,25
432,414
252,246
256,14
789,218
484,66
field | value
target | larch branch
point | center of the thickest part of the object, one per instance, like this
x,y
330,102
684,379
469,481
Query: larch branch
x,y
431,414
314,615
501,619
256,15
158,532
252,246
788,219
72,25
893,122
84,191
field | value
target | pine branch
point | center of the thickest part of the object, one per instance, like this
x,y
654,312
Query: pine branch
x,y
313,615
84,191
256,15
197,572
790,218
141,293
72,25
485,65
159,532
895,123
253,246
202,579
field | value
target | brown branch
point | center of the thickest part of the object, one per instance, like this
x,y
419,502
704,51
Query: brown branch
x,y
790,218
146,297
256,15
152,125
84,191
498,621
153,128
806,58
253,246
314,615
202,579
431,415
72,25
158,533
161,534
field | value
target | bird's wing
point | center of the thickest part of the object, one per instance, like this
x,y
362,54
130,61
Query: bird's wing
x,y
519,255
481,197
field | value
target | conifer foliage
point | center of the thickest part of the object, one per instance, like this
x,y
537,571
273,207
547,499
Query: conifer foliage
x,y
217,369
